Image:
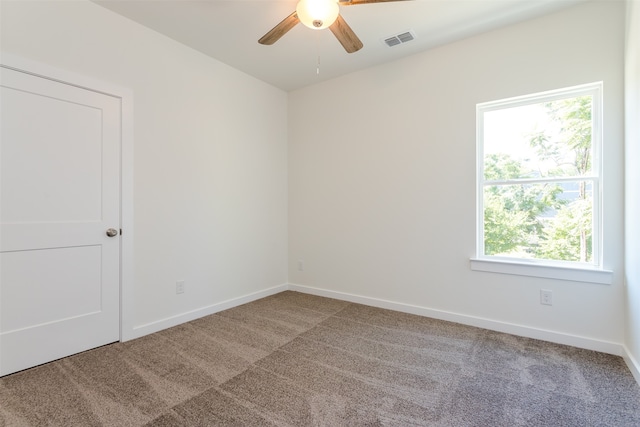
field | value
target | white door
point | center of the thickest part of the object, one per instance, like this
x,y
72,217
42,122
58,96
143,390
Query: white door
x,y
59,194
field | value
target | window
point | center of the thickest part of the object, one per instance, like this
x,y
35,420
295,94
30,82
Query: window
x,y
539,180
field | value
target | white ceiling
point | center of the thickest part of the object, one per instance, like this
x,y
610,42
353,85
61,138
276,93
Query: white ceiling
x,y
228,30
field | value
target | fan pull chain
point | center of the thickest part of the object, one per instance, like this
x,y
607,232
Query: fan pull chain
x,y
318,50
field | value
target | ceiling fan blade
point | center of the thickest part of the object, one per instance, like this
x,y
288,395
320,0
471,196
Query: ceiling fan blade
x,y
345,35
355,2
280,30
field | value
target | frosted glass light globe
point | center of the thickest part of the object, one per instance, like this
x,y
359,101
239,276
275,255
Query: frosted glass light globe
x,y
317,14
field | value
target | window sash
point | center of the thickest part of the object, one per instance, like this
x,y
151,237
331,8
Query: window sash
x,y
540,180
595,91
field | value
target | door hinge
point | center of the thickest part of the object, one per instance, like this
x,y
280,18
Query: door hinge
x,y
121,231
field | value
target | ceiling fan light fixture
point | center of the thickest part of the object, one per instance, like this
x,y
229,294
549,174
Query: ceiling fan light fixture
x,y
317,14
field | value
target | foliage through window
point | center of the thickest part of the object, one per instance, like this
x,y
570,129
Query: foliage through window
x,y
539,176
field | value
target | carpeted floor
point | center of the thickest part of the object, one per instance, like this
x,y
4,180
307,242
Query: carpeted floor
x,y
299,360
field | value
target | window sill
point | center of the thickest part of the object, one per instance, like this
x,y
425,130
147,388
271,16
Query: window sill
x,y
581,274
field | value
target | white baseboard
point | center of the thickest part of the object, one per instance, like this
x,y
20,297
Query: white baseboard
x,y
149,328
632,364
510,328
524,331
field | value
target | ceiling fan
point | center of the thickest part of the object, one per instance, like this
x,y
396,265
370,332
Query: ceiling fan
x,y
318,15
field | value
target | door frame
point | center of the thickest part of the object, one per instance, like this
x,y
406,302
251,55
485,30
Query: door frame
x,y
125,95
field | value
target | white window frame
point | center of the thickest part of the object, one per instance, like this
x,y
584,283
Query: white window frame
x,y
564,270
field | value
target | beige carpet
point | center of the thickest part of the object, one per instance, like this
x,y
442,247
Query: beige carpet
x,y
300,360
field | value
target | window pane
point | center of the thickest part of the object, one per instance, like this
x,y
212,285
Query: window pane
x,y
549,139
551,221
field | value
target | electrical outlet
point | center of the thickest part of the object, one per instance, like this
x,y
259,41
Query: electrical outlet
x,y
180,287
300,265
546,297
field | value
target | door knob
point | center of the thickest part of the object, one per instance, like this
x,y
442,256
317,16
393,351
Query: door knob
x,y
112,232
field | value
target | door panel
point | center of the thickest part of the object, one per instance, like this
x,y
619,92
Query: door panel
x,y
59,193
40,296
55,185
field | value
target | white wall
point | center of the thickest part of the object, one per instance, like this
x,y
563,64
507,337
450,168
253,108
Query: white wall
x,y
632,185
382,178
210,169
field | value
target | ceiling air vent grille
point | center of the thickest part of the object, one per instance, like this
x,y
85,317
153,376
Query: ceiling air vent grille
x,y
397,39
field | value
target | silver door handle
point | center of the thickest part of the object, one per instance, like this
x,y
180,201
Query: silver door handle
x,y
112,232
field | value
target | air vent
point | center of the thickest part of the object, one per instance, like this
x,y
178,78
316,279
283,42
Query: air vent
x,y
397,39
392,41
